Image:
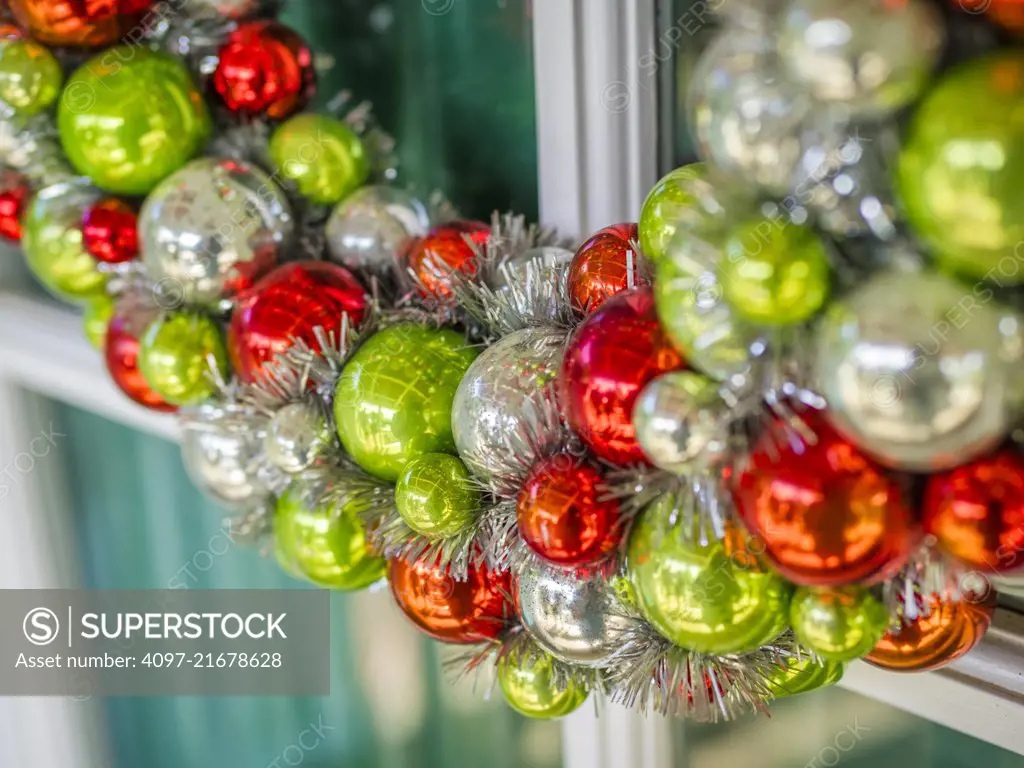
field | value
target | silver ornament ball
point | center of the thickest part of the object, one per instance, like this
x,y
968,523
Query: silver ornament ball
x,y
371,229
506,411
297,436
574,619
871,56
210,225
920,371
682,422
221,451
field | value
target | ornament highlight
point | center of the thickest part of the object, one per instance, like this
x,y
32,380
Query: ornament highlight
x,y
435,495
838,623
323,157
175,356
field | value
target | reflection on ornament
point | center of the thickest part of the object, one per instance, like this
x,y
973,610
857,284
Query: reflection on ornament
x,y
802,675
838,623
605,265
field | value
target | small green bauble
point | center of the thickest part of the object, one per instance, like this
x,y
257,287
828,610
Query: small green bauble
x,y
323,156
325,545
698,597
774,272
840,623
530,687
803,675
96,319
130,117
173,355
435,495
670,207
52,242
30,76
394,398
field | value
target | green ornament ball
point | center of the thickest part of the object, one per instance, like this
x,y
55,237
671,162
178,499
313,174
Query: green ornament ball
x,y
325,545
672,206
959,170
531,688
394,398
129,117
173,357
435,495
774,272
697,596
323,157
839,623
30,77
96,320
803,675
52,242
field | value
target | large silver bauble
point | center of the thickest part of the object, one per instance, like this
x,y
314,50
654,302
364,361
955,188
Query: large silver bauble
x,y
297,436
211,226
221,451
682,422
576,620
533,281
920,371
506,407
871,56
371,229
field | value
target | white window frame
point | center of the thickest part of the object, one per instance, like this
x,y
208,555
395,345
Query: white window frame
x,y
597,144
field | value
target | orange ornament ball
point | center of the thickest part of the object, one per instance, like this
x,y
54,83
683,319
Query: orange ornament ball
x,y
444,249
1007,13
951,629
605,265
83,23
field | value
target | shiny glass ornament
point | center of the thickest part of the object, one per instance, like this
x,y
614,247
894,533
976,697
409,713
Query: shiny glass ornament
x,y
371,230
871,57
435,495
506,407
52,241
323,157
326,545
264,69
394,398
130,117
774,272
920,371
110,231
298,435
59,22
14,197
531,689
121,353
605,265
681,421
563,515
960,161
176,353
796,676
446,247
697,596
96,318
518,277
222,453
826,513
838,623
747,117
290,303
610,358
950,630
30,77
976,511
575,619
461,612
670,207
212,229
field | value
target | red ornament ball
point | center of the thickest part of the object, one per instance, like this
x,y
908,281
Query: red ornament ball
x,y
14,193
287,304
110,231
470,611
79,22
264,69
605,265
613,355
122,357
976,511
561,515
443,249
825,513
